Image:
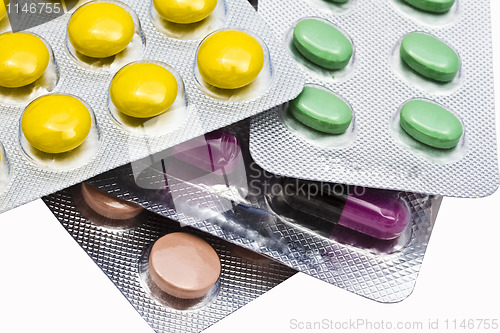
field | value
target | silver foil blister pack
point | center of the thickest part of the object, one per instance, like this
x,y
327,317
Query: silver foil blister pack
x,y
375,151
120,249
27,174
212,184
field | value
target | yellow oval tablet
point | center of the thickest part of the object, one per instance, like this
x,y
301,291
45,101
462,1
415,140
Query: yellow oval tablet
x,y
230,59
143,90
184,11
100,29
23,59
56,123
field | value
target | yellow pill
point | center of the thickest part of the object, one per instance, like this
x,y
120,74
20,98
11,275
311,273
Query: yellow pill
x,y
3,10
184,11
56,123
100,29
143,90
230,59
23,59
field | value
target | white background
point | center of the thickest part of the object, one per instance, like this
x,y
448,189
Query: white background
x,y
48,283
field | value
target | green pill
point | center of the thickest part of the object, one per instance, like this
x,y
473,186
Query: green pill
x,y
430,57
322,44
431,124
338,1
321,110
432,6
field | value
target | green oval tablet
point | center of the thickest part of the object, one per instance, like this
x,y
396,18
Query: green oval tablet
x,y
322,44
321,110
430,57
431,124
432,6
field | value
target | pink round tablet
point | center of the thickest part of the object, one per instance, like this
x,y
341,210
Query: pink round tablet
x,y
184,265
109,206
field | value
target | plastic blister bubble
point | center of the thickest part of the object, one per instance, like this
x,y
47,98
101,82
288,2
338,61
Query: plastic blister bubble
x,y
322,74
249,92
424,84
173,118
432,154
41,86
315,137
132,52
73,159
197,30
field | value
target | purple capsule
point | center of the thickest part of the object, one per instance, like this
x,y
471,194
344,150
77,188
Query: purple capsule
x,y
322,206
376,213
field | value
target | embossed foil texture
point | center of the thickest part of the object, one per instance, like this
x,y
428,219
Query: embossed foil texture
x,y
120,249
212,184
376,84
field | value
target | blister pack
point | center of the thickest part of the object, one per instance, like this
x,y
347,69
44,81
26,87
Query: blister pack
x,y
178,279
370,242
399,95
90,86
